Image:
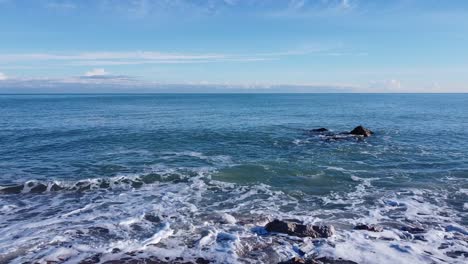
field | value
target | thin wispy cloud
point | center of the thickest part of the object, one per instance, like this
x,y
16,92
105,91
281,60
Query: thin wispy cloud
x,y
154,57
96,72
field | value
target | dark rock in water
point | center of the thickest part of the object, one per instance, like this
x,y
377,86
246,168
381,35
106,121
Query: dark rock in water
x,y
420,238
98,230
152,218
327,260
91,260
153,260
298,260
39,188
322,260
361,131
457,253
373,228
413,229
55,187
300,230
12,189
319,130
202,261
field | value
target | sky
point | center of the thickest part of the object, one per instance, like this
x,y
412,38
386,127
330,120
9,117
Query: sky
x,y
233,46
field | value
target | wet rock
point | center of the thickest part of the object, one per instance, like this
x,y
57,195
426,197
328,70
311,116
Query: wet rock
x,y
319,130
12,189
457,253
328,260
98,230
153,260
115,250
300,230
420,238
413,229
91,260
361,131
104,184
322,260
39,188
152,218
298,260
55,187
372,228
202,261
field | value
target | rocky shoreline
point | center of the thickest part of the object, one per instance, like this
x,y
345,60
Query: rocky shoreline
x,y
288,227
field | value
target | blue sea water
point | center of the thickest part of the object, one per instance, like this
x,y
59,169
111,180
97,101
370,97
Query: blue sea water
x,y
199,175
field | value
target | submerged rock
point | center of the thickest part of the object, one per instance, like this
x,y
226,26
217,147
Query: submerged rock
x,y
372,228
361,131
294,228
319,130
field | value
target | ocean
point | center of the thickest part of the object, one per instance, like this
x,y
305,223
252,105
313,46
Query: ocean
x,y
196,177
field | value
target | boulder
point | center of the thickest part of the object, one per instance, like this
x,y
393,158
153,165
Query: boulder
x,y
372,228
361,131
294,228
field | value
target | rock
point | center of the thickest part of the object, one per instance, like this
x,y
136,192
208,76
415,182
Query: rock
x,y
97,230
320,130
457,253
11,189
152,218
328,260
372,228
413,229
300,230
361,131
322,260
298,260
55,187
202,261
91,260
39,188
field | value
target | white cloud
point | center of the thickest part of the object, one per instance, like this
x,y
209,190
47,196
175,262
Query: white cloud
x,y
3,76
96,72
62,6
155,57
391,85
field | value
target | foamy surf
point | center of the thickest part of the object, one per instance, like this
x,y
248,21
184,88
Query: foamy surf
x,y
194,218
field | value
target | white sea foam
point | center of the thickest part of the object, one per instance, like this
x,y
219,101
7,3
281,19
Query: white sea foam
x,y
223,222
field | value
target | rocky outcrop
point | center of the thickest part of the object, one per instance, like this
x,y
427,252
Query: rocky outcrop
x,y
361,131
295,228
372,228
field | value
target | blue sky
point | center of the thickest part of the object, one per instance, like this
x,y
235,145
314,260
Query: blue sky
x,y
251,45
